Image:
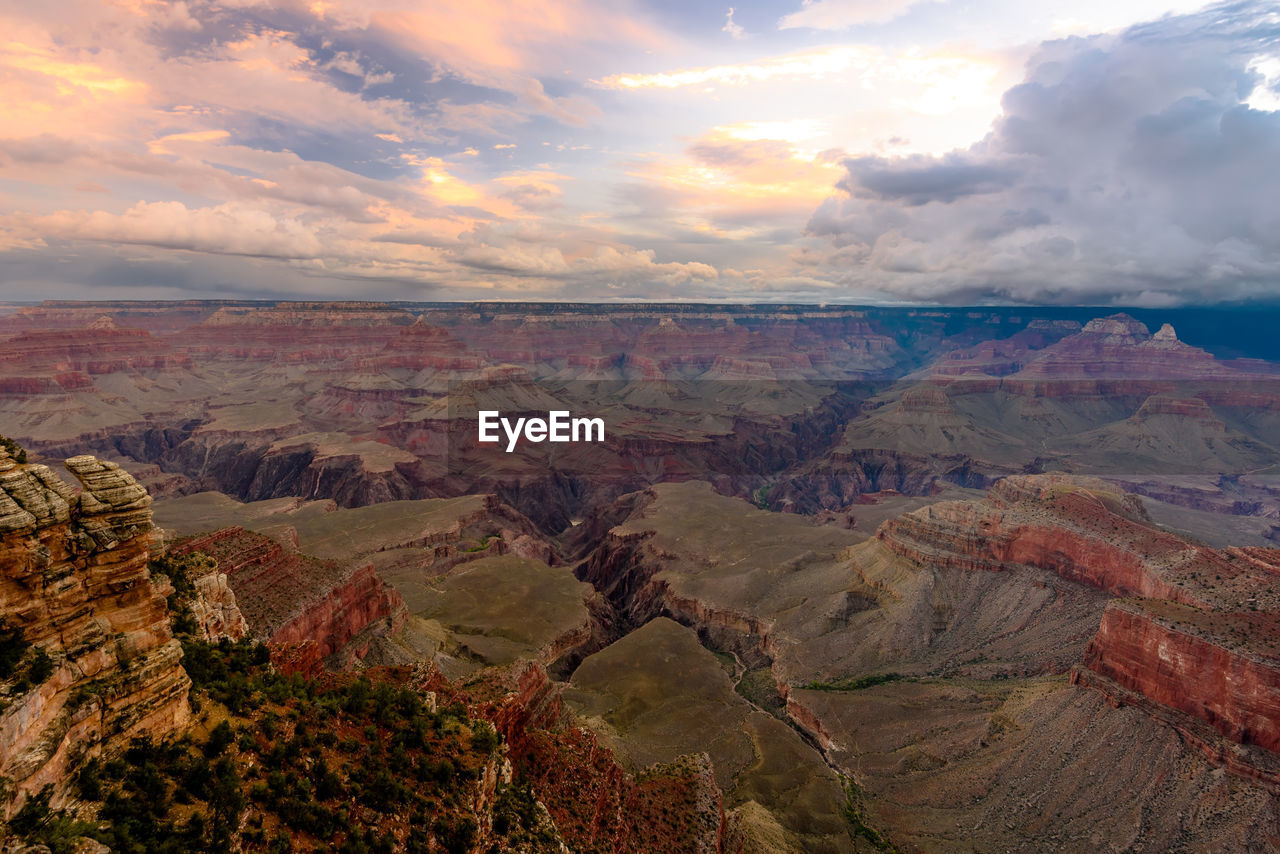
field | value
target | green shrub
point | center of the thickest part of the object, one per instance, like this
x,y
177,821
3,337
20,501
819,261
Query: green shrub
x,y
12,648
15,450
41,667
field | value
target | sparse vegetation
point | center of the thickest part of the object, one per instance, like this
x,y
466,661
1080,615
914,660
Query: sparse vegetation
x,y
14,450
758,688
854,683
483,543
294,764
26,665
12,648
854,812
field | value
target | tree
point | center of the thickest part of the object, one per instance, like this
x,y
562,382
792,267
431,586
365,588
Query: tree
x,y
226,801
15,450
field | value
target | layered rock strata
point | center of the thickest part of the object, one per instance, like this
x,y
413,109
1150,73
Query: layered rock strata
x,y
931,662
287,597
74,585
1184,658
1198,631
1079,528
597,804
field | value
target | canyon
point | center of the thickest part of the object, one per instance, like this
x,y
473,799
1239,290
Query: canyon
x,y
838,578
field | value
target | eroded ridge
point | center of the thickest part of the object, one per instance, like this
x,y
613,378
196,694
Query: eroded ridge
x,y
99,663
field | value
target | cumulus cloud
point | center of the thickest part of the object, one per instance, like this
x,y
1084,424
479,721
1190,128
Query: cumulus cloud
x,y
1126,168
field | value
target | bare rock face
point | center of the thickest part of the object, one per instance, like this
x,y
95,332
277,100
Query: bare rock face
x,y
597,804
213,602
98,348
1199,631
288,598
74,583
1117,349
1081,528
295,333
1184,658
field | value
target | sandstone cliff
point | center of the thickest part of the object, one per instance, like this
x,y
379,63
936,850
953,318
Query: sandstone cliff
x,y
930,663
1080,528
1199,635
1199,662
288,598
596,803
74,585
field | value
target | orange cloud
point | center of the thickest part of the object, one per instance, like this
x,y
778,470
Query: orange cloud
x,y
731,181
812,63
484,38
68,76
161,145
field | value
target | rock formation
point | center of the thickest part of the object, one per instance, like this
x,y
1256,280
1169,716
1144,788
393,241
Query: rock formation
x,y
972,613
211,599
1198,631
597,804
1080,528
287,597
1206,664
74,585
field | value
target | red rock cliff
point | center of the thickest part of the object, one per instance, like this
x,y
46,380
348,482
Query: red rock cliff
x,y
1184,658
1204,641
74,583
288,597
1083,529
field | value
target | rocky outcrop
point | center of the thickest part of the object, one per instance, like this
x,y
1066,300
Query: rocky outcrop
x,y
597,805
74,585
99,348
289,598
1248,495
1202,641
295,333
1200,650
344,612
1117,349
1080,528
421,346
1207,665
212,601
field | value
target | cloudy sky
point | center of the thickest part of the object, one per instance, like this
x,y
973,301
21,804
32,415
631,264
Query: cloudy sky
x,y
950,151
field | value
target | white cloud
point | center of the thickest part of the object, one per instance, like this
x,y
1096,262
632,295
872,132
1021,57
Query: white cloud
x,y
1125,168
230,229
842,14
731,27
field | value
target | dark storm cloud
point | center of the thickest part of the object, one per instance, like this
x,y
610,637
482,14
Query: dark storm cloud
x,y
917,180
1125,168
105,272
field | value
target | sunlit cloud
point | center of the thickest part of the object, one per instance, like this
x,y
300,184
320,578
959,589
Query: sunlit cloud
x,y
564,147
1265,95
735,183
164,143
1164,195
67,76
932,82
731,27
1101,16
842,14
807,64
